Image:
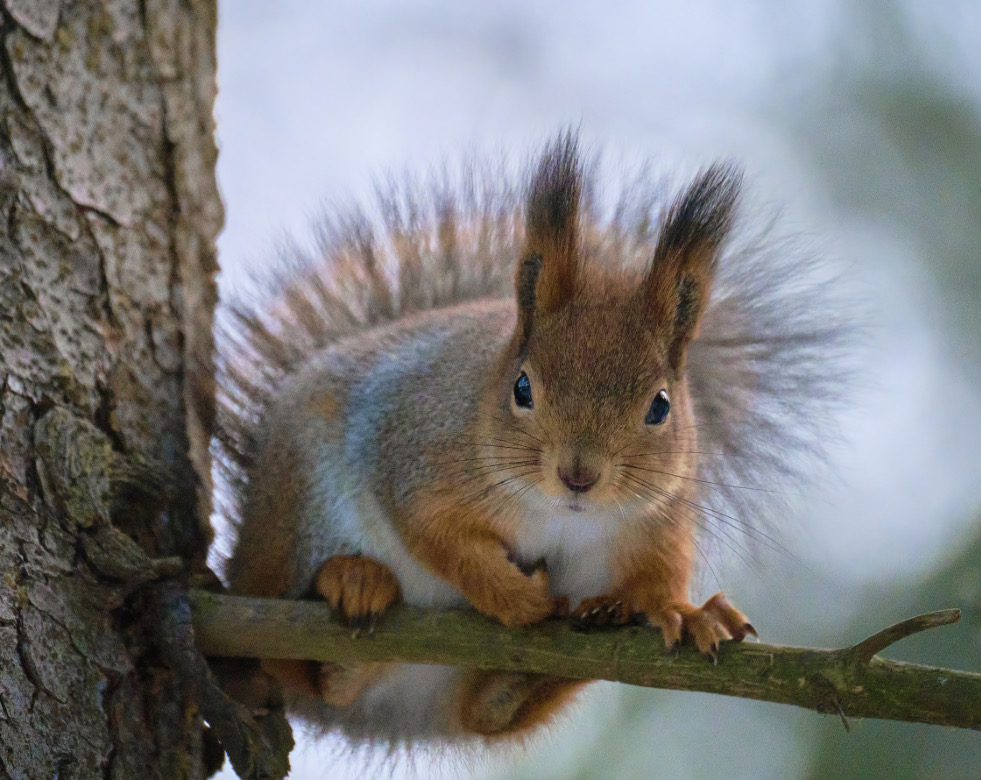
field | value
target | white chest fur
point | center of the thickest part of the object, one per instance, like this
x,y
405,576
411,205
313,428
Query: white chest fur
x,y
574,545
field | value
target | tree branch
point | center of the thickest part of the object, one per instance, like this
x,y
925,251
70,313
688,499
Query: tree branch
x,y
852,682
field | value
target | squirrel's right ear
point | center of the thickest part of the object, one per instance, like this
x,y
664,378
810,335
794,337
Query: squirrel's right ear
x,y
679,281
548,273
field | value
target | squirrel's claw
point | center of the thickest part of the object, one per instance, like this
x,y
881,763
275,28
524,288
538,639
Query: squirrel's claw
x,y
741,632
599,612
709,625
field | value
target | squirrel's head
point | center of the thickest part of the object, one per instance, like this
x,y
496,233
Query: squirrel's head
x,y
593,400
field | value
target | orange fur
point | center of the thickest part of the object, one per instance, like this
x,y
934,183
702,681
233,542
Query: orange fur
x,y
266,538
653,576
263,565
552,227
358,588
505,704
264,562
294,676
469,546
678,282
340,685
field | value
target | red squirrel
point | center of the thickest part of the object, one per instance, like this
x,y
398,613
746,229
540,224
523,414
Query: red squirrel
x,y
503,400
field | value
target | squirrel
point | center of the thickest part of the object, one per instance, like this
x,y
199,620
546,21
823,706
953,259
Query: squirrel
x,y
497,398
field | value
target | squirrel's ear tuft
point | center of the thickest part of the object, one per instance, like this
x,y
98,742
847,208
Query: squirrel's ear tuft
x,y
547,275
679,281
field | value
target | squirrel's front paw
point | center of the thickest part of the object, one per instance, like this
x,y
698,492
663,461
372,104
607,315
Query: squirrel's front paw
x,y
517,599
360,589
528,604
709,624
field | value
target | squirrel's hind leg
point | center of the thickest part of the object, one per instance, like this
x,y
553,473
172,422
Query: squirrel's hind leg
x,y
502,704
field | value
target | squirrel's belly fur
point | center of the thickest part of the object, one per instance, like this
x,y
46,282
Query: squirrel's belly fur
x,y
410,703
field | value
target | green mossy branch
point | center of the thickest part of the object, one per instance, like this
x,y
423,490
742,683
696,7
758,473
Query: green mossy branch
x,y
852,682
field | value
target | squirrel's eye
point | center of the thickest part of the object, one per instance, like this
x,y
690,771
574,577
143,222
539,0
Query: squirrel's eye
x,y
658,412
522,392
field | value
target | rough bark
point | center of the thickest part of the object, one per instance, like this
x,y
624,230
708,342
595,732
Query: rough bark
x,y
108,215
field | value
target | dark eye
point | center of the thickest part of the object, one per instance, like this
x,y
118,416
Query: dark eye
x,y
522,392
658,412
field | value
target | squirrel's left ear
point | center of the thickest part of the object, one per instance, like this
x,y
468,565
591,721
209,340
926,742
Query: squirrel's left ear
x,y
548,273
679,281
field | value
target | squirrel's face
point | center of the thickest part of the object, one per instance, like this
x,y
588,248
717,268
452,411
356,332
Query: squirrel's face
x,y
594,413
592,407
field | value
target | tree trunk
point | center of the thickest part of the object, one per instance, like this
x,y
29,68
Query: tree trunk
x,y
108,215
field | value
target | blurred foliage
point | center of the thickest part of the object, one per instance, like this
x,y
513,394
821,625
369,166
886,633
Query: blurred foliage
x,y
877,749
897,141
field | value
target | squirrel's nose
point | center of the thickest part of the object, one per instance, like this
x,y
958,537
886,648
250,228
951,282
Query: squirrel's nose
x,y
578,480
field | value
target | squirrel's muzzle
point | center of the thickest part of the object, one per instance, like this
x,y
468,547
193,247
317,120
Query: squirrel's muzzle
x,y
578,479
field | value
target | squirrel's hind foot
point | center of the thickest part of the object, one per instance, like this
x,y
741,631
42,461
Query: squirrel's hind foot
x,y
498,704
342,684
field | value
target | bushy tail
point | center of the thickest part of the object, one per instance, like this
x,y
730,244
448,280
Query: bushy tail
x,y
421,246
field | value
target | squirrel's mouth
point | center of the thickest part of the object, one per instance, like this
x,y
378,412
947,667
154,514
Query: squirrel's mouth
x,y
577,506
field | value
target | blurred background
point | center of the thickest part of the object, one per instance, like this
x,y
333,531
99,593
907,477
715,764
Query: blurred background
x,y
861,117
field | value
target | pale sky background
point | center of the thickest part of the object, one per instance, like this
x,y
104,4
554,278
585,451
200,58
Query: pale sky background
x,y
316,99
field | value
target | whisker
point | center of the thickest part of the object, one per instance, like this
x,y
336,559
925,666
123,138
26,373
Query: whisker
x,y
504,444
485,458
721,485
647,454
707,511
516,429
479,472
731,522
510,479
737,549
700,481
